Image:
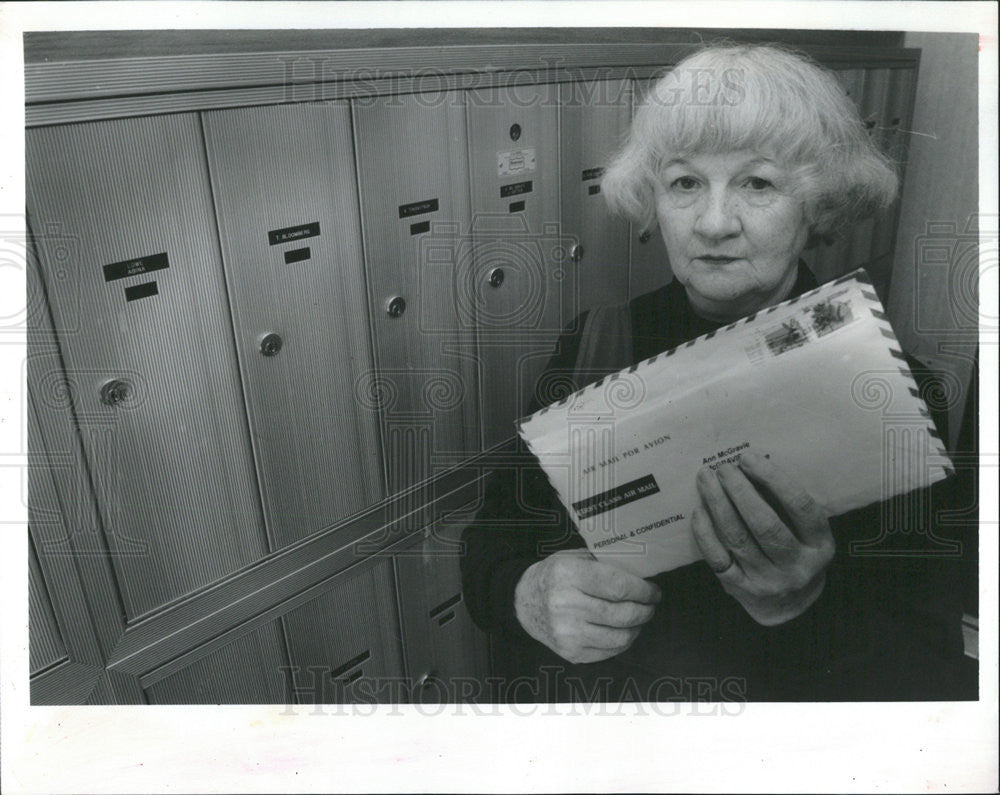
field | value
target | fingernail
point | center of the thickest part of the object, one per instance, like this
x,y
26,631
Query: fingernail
x,y
751,459
726,470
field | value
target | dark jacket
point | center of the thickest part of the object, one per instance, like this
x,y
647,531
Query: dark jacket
x,y
887,625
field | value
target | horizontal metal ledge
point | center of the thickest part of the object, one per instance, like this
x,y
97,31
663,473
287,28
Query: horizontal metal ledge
x,y
68,80
171,639
52,113
67,683
123,99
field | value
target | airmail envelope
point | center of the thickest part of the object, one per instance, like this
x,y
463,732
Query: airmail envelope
x,y
818,383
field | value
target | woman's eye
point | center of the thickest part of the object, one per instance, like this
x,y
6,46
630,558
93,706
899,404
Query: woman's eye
x,y
758,183
684,183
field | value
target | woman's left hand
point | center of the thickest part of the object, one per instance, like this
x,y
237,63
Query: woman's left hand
x,y
773,565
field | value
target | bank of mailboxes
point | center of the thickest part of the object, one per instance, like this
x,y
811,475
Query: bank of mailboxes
x,y
276,316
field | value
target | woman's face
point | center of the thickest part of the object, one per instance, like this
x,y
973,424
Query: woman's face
x,y
733,231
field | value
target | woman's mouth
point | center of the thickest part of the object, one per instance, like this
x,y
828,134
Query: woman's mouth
x,y
717,259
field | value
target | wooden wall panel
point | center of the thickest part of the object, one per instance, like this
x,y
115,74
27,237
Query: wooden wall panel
x,y
934,302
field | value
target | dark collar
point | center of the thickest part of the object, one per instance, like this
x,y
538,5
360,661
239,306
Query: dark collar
x,y
664,318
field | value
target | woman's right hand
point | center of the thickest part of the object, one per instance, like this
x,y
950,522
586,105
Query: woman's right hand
x,y
582,609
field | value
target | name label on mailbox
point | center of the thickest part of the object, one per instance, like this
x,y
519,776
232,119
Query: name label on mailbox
x,y
593,173
516,189
133,267
418,208
290,233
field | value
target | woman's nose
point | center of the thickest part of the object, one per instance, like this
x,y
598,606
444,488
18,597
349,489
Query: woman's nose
x,y
717,217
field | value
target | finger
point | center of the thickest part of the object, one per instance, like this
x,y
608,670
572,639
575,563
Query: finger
x,y
728,524
589,654
607,582
598,637
772,535
622,615
808,519
716,555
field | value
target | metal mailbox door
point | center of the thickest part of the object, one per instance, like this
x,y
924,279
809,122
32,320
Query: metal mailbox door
x,y
122,219
447,656
594,117
519,257
286,197
345,644
253,669
413,173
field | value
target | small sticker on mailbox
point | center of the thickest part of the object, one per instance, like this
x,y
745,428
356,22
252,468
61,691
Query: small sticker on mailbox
x,y
516,161
144,290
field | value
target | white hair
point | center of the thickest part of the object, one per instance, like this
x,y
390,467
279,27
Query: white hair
x,y
766,99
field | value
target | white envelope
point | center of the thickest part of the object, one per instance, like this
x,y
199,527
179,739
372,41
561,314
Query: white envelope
x,y
818,383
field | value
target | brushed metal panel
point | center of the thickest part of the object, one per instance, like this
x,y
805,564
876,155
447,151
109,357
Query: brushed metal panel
x,y
171,465
46,645
412,150
447,656
102,692
314,425
594,118
62,518
115,688
649,265
251,670
519,320
164,643
67,683
64,80
345,645
69,111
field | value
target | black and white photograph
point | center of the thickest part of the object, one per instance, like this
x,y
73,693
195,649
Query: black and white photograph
x,y
395,371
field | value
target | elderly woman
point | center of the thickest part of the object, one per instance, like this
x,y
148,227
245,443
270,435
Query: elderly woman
x,y
743,157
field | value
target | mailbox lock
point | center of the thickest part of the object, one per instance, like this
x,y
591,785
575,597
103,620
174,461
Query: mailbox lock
x,y
425,679
496,277
395,306
515,132
270,344
644,237
115,391
576,253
